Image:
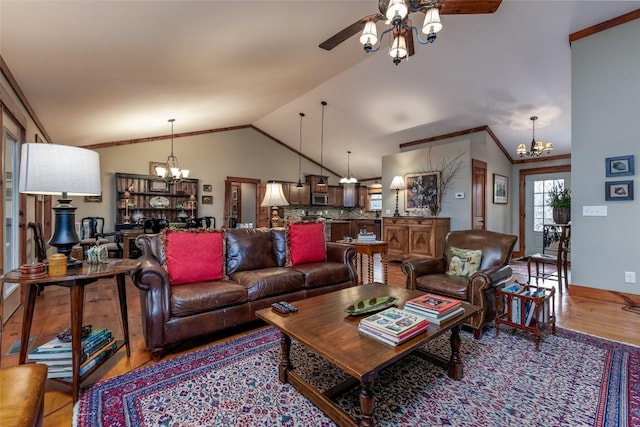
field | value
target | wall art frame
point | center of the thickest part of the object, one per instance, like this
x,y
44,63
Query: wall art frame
x,y
207,200
618,190
207,188
422,190
620,166
500,189
158,186
93,199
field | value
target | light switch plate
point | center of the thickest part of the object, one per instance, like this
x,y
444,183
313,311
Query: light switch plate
x,y
459,195
594,211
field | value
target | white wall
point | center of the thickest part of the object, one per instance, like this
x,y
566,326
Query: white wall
x,y
605,123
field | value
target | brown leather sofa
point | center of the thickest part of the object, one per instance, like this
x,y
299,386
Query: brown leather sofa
x,y
257,277
429,275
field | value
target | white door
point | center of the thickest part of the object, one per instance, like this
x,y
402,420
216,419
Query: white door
x,y
537,212
10,200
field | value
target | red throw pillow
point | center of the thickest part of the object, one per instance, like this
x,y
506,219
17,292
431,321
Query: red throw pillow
x,y
194,256
305,243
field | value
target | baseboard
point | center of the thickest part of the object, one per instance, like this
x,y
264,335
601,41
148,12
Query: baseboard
x,y
604,295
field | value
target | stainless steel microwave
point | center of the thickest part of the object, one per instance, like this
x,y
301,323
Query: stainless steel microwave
x,y
319,199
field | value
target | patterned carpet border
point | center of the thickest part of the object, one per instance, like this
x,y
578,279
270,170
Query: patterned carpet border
x,y
575,380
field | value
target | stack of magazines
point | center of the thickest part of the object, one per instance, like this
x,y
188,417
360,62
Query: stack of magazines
x,y
393,326
435,308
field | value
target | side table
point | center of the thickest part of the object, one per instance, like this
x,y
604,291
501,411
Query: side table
x,y
370,249
75,279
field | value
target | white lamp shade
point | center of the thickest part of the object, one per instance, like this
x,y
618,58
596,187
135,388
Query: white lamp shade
x,y
396,7
548,146
398,48
397,183
369,34
432,23
274,196
57,169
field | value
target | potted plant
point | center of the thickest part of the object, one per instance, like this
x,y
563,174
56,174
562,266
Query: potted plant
x,y
560,201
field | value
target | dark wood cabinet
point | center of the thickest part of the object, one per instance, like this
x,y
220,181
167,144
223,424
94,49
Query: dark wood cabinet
x,y
152,197
335,195
297,196
313,180
340,230
362,197
410,237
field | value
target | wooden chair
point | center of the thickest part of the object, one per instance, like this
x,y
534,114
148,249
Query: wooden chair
x,y
92,233
560,260
39,245
204,222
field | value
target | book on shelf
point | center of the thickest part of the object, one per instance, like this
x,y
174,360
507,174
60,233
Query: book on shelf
x,y
56,349
530,306
436,319
66,370
434,304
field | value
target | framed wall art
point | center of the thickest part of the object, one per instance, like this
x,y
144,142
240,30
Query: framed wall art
x,y
500,189
620,166
207,200
93,199
158,185
207,188
422,191
618,190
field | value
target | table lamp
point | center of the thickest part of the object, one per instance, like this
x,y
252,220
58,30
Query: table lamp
x,y
397,184
274,197
54,169
192,202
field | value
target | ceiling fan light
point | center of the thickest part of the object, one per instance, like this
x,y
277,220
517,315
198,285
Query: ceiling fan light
x,y
398,48
396,8
369,34
432,23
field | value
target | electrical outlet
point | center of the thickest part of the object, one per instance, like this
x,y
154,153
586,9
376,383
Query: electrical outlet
x,y
594,211
630,277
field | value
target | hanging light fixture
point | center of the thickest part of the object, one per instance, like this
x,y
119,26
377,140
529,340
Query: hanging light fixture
x,y
537,147
348,179
171,171
400,26
299,184
321,180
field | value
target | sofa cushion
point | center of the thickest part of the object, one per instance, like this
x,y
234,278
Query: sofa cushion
x,y
305,243
464,262
249,249
193,255
442,284
268,282
190,299
317,274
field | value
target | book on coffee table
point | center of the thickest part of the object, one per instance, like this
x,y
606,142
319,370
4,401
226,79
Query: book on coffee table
x,y
436,319
393,325
433,305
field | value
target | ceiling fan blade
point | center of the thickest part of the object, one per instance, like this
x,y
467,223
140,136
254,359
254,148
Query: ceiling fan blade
x,y
466,7
350,31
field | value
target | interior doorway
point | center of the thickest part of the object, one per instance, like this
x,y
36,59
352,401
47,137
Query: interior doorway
x,y
241,201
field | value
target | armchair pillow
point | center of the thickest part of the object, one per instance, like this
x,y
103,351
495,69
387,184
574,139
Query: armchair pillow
x,y
305,243
464,262
194,255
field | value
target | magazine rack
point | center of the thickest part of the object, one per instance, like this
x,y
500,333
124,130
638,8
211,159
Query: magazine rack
x,y
527,313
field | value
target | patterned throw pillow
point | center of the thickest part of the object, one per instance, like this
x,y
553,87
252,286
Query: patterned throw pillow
x,y
464,262
193,255
305,243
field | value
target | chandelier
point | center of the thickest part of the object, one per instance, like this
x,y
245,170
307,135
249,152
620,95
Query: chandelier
x,y
171,171
349,179
401,27
537,147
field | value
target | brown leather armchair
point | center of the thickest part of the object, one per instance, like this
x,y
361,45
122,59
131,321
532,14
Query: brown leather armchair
x,y
429,274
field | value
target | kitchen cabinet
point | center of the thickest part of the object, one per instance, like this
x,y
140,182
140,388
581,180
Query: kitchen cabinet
x,y
152,197
313,180
414,237
335,195
362,197
297,196
340,229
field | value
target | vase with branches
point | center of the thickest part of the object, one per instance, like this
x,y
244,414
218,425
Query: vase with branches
x,y
448,169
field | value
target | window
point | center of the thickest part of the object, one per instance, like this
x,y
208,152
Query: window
x,y
375,202
543,213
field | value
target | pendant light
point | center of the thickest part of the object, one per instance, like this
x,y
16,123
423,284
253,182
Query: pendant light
x,y
321,180
299,184
348,179
170,171
537,147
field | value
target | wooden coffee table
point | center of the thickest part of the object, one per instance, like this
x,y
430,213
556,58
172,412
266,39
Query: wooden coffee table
x,y
322,325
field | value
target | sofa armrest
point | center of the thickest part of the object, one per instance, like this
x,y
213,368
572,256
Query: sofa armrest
x,y
343,253
152,279
414,268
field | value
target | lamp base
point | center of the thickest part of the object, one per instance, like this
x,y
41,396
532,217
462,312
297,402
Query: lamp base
x,y
65,237
275,217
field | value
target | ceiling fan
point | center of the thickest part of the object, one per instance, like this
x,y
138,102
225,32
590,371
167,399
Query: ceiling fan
x,y
396,14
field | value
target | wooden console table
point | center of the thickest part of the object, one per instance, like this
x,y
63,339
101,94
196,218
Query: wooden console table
x,y
75,279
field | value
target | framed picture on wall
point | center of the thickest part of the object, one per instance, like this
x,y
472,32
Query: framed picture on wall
x,y
618,190
500,189
619,166
422,190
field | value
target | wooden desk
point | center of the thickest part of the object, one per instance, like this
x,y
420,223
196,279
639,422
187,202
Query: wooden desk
x,y
370,249
76,279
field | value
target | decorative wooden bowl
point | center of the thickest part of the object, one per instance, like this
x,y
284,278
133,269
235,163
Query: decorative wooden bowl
x,y
37,269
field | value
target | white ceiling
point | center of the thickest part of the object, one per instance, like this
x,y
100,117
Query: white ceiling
x,y
102,71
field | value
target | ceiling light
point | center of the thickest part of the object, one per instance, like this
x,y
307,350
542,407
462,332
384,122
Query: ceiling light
x,y
321,180
299,184
400,26
537,147
171,171
348,179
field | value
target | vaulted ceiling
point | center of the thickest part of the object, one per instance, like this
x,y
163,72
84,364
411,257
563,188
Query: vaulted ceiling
x,y
103,71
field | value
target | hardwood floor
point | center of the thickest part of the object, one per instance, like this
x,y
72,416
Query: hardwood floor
x,y
593,317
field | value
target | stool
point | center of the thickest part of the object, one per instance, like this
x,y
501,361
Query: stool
x,y
22,395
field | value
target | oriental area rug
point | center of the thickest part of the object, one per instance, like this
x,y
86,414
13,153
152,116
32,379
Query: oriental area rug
x,y
574,380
